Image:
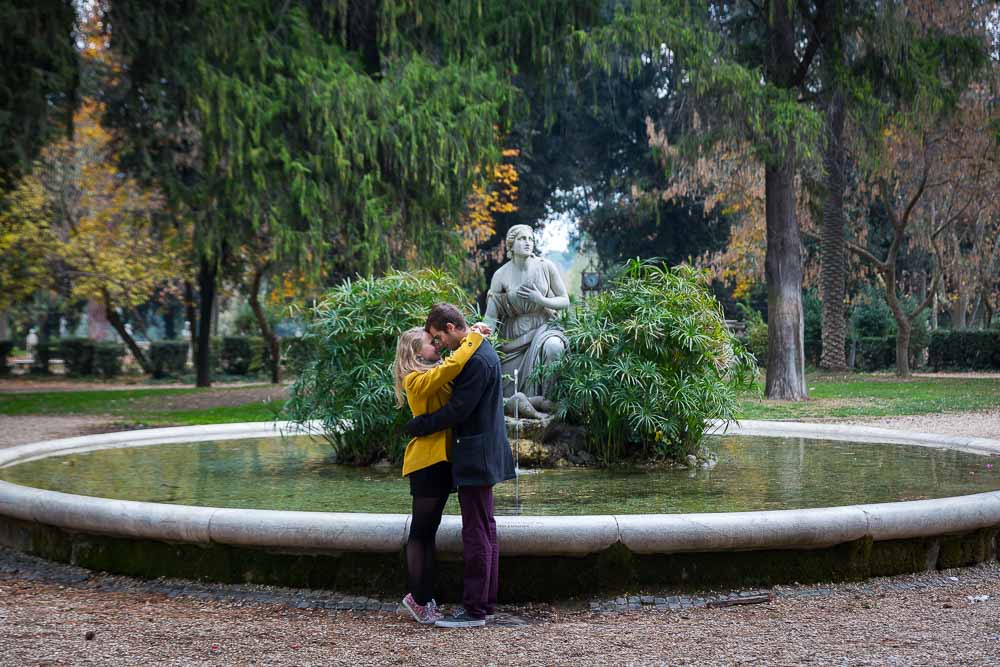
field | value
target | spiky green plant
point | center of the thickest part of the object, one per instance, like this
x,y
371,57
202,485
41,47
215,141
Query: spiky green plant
x,y
650,362
346,353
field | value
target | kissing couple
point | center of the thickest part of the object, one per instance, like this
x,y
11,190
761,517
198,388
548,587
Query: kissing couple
x,y
460,441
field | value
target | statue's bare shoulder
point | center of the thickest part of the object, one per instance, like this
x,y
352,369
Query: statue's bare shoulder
x,y
500,279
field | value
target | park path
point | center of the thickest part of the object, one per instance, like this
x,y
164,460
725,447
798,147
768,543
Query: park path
x,y
981,424
21,429
30,386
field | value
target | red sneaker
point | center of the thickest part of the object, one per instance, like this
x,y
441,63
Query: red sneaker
x,y
424,614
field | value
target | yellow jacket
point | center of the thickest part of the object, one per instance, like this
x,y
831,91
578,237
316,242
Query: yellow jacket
x,y
428,391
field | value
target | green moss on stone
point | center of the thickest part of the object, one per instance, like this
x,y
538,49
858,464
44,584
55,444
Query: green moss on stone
x,y
966,549
523,578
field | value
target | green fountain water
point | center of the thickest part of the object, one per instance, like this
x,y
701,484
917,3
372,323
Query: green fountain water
x,y
753,473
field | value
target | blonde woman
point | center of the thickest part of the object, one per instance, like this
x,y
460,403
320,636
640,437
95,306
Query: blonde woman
x,y
423,381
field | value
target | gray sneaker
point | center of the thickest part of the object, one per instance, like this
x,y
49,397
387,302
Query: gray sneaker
x,y
461,619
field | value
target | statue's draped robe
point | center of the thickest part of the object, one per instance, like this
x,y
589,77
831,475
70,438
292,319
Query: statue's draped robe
x,y
526,326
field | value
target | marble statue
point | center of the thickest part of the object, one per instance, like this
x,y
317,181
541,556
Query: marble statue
x,y
525,296
31,343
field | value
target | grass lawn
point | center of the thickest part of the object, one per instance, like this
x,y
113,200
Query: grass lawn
x,y
251,412
151,407
831,396
868,395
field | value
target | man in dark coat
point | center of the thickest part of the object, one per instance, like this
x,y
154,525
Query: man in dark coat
x,y
480,458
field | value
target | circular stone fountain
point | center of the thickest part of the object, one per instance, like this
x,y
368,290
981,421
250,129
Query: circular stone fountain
x,y
608,530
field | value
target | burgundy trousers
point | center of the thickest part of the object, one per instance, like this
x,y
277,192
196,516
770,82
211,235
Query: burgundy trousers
x,y
480,550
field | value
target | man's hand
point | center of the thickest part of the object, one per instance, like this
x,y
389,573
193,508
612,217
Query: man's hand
x,y
482,328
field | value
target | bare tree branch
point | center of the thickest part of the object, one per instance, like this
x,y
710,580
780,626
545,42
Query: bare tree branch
x,y
864,254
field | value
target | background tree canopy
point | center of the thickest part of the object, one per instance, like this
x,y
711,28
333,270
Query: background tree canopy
x,y
38,80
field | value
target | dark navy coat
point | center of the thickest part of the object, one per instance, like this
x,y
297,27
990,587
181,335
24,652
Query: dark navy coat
x,y
481,454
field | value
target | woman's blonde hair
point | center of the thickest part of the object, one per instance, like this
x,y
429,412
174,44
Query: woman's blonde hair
x,y
408,360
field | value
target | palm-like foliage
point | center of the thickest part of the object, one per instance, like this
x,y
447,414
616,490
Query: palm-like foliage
x,y
345,379
650,361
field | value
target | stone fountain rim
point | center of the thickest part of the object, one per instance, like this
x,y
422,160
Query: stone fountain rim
x,y
521,535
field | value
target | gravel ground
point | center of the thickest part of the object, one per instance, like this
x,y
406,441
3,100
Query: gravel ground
x,y
985,424
19,430
18,385
947,618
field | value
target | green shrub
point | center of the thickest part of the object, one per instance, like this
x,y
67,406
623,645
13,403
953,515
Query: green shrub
x,y
294,354
756,333
215,354
812,313
6,346
241,355
78,355
346,355
871,316
875,353
650,362
965,350
108,359
168,357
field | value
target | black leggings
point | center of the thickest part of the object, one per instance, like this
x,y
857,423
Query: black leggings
x,y
420,546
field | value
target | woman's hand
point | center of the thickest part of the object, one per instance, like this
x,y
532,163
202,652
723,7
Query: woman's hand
x,y
482,328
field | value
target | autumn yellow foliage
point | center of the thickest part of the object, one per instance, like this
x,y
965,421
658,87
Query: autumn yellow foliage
x,y
77,212
497,195
25,243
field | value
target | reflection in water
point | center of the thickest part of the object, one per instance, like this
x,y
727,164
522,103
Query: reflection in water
x,y
753,473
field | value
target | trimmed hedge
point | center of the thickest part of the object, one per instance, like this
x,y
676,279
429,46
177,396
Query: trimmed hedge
x,y
878,353
965,350
108,359
78,355
242,355
168,357
5,347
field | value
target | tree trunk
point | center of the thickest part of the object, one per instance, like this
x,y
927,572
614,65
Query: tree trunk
x,y
115,321
207,271
959,308
4,324
977,310
783,269
934,309
97,320
903,331
832,245
786,377
265,328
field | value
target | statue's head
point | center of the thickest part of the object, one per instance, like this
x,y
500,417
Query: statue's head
x,y
520,241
